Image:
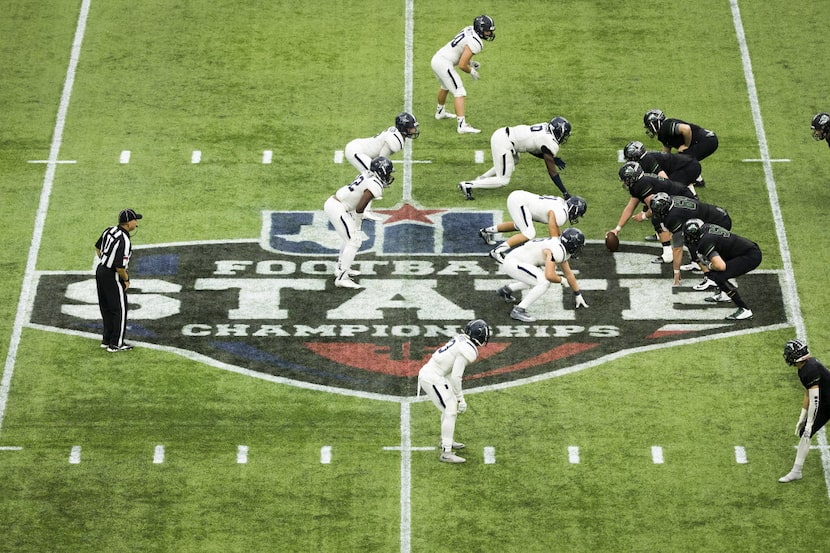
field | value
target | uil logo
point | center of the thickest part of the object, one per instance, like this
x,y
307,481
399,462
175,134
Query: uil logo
x,y
269,306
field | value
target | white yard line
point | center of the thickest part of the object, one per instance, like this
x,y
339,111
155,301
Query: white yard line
x,y
24,304
406,479
790,291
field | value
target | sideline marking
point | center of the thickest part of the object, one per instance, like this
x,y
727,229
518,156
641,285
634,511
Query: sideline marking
x,y
489,455
573,455
241,454
24,304
657,454
790,291
158,455
75,455
124,158
740,455
325,455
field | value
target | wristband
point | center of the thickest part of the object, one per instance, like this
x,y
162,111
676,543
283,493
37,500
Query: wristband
x,y
577,293
618,228
677,271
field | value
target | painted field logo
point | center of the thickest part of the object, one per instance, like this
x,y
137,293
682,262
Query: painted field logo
x,y
270,305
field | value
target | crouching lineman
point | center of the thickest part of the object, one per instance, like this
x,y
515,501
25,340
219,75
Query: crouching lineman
x,y
345,212
441,378
525,208
723,255
524,264
815,408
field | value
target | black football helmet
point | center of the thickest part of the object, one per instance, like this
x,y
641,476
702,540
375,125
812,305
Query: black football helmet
x,y
478,331
820,125
660,204
577,206
407,125
630,172
634,151
560,128
484,27
382,167
795,351
573,240
692,231
652,121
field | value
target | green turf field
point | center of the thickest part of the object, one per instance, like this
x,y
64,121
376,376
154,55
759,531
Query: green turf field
x,y
675,447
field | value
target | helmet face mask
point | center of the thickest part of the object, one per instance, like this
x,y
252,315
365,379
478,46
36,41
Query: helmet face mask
x,y
661,203
652,121
573,241
382,167
484,27
795,351
634,151
630,172
560,128
692,231
577,206
820,125
407,125
478,331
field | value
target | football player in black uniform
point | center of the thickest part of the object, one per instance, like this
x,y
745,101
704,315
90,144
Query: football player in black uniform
x,y
686,138
820,125
670,213
679,168
815,407
725,256
642,187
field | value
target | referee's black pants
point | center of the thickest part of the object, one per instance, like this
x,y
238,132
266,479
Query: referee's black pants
x,y
112,300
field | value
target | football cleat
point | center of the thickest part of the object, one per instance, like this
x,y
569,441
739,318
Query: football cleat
x,y
466,189
372,216
464,128
122,347
705,284
740,314
521,314
691,267
104,346
488,237
498,254
719,298
441,113
458,445
344,281
790,477
506,294
450,457
652,238
662,259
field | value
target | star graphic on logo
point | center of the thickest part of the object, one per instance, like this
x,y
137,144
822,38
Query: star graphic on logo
x,y
408,212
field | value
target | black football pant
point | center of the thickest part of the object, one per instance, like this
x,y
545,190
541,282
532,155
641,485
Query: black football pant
x,y
736,267
112,300
703,148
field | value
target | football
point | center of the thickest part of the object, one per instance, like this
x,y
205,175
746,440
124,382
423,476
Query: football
x,y
612,241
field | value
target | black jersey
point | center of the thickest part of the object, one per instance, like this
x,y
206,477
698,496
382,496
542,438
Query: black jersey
x,y
669,133
682,209
648,185
717,240
814,373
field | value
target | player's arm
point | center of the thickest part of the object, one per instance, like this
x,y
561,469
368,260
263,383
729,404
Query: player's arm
x,y
571,278
365,199
686,133
464,62
716,263
553,171
809,409
550,267
626,214
553,226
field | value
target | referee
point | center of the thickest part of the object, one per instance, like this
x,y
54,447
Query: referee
x,y
113,280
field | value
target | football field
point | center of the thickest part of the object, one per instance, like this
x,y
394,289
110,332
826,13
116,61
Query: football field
x,y
263,409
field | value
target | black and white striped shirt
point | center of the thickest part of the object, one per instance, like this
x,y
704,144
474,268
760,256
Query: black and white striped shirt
x,y
115,247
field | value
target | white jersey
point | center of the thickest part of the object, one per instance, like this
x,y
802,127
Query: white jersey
x,y
531,252
453,49
383,144
351,194
526,204
533,139
444,359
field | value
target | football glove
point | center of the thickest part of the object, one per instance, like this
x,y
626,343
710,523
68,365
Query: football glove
x,y
580,301
462,406
474,74
559,162
474,64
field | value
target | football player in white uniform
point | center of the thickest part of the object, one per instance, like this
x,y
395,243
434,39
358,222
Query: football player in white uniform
x,y
441,377
524,264
361,151
459,52
345,212
525,208
541,140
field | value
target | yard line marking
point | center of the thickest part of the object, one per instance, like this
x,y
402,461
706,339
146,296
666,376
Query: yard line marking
x,y
413,448
325,455
124,158
196,156
406,478
24,304
740,455
479,156
767,160
158,455
657,454
58,161
790,291
573,455
620,156
10,448
338,156
267,156
409,40
241,454
489,455
411,161
75,455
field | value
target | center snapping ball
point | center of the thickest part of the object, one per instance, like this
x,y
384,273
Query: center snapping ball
x,y
612,241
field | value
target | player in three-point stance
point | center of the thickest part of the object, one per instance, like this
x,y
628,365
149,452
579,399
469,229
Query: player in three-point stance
x,y
815,408
441,378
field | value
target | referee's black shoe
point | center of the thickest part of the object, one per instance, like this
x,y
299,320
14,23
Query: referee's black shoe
x,y
122,347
